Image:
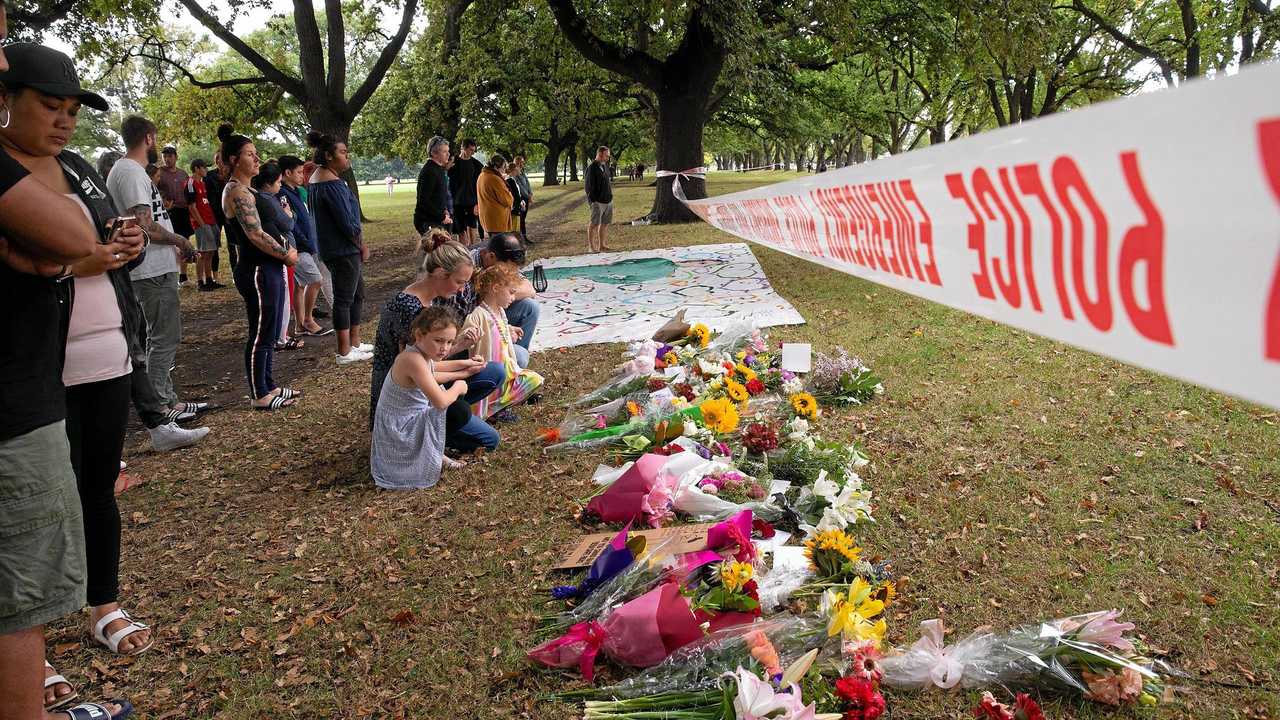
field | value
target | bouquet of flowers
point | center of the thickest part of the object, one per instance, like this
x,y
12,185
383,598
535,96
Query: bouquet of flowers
x,y
840,378
760,690
764,647
645,572
616,557
645,630
1088,655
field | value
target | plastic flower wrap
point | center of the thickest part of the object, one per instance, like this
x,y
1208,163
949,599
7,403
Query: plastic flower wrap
x,y
1086,654
840,378
637,578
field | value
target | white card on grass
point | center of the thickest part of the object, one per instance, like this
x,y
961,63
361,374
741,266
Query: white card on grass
x,y
797,357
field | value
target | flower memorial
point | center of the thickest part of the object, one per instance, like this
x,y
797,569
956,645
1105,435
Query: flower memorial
x,y
710,427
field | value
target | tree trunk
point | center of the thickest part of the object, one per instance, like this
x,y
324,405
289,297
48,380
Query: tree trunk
x,y
551,166
681,119
573,165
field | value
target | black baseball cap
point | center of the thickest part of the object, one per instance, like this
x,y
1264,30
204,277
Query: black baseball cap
x,y
49,71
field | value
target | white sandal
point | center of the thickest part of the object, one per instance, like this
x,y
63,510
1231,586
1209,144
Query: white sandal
x,y
113,643
56,679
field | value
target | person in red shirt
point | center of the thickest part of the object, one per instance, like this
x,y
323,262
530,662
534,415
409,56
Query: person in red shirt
x,y
208,234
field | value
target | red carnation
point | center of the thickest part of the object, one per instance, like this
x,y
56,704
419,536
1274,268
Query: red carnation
x,y
863,700
754,386
656,384
762,527
1026,709
759,438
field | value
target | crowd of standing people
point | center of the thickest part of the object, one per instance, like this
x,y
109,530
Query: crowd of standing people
x,y
91,264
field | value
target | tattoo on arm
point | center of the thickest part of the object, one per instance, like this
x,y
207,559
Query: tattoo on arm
x,y
247,214
153,228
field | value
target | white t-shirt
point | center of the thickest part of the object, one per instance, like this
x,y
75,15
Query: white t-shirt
x,y
129,187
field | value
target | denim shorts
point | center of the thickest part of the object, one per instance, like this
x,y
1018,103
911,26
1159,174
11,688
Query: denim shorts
x,y
42,563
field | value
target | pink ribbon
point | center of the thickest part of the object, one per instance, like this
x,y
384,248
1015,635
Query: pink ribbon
x,y
946,670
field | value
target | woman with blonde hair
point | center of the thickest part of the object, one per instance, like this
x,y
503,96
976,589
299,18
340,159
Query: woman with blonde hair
x,y
445,268
495,198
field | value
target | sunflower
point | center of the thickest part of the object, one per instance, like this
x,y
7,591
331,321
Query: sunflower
x,y
671,359
885,593
805,405
737,391
838,541
701,334
832,553
632,408
719,415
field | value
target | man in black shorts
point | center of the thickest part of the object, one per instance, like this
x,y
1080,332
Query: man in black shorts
x,y
462,184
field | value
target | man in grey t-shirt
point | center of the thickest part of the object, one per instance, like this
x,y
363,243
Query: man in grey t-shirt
x,y
155,280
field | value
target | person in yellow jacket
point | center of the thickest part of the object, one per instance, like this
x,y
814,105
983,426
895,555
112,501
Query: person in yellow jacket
x,y
494,198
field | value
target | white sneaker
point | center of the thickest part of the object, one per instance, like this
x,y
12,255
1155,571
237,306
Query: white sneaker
x,y
364,347
171,437
354,355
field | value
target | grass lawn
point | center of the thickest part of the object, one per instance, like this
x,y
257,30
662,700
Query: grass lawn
x,y
1017,479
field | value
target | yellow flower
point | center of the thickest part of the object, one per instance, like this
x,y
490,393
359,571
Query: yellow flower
x,y
747,373
671,359
719,415
886,593
737,391
837,541
735,575
701,334
632,408
852,613
805,405
741,354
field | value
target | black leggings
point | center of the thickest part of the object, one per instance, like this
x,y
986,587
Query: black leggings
x,y
96,417
348,290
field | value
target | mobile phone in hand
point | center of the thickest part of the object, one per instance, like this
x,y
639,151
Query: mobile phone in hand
x,y
117,225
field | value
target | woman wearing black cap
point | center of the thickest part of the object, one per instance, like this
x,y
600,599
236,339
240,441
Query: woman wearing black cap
x,y
40,99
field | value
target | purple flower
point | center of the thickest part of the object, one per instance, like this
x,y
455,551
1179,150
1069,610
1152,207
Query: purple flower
x,y
662,351
722,449
787,375
703,453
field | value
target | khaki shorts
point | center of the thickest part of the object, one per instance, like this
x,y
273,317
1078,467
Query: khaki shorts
x,y
42,564
601,213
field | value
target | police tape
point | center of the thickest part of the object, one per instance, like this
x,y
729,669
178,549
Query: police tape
x,y
1145,229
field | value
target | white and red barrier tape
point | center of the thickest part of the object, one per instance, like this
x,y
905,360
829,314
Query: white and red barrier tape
x,y
1145,229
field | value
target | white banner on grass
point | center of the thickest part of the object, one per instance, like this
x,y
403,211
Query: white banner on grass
x,y
1145,229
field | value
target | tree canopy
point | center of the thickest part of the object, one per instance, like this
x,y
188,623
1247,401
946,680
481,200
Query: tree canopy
x,y
677,85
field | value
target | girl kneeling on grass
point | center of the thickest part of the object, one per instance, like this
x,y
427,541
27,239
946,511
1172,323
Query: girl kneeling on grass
x,y
409,427
496,287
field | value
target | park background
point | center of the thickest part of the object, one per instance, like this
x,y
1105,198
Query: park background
x,y
1021,479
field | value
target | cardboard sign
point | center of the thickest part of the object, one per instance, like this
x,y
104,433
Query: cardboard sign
x,y
797,357
684,538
